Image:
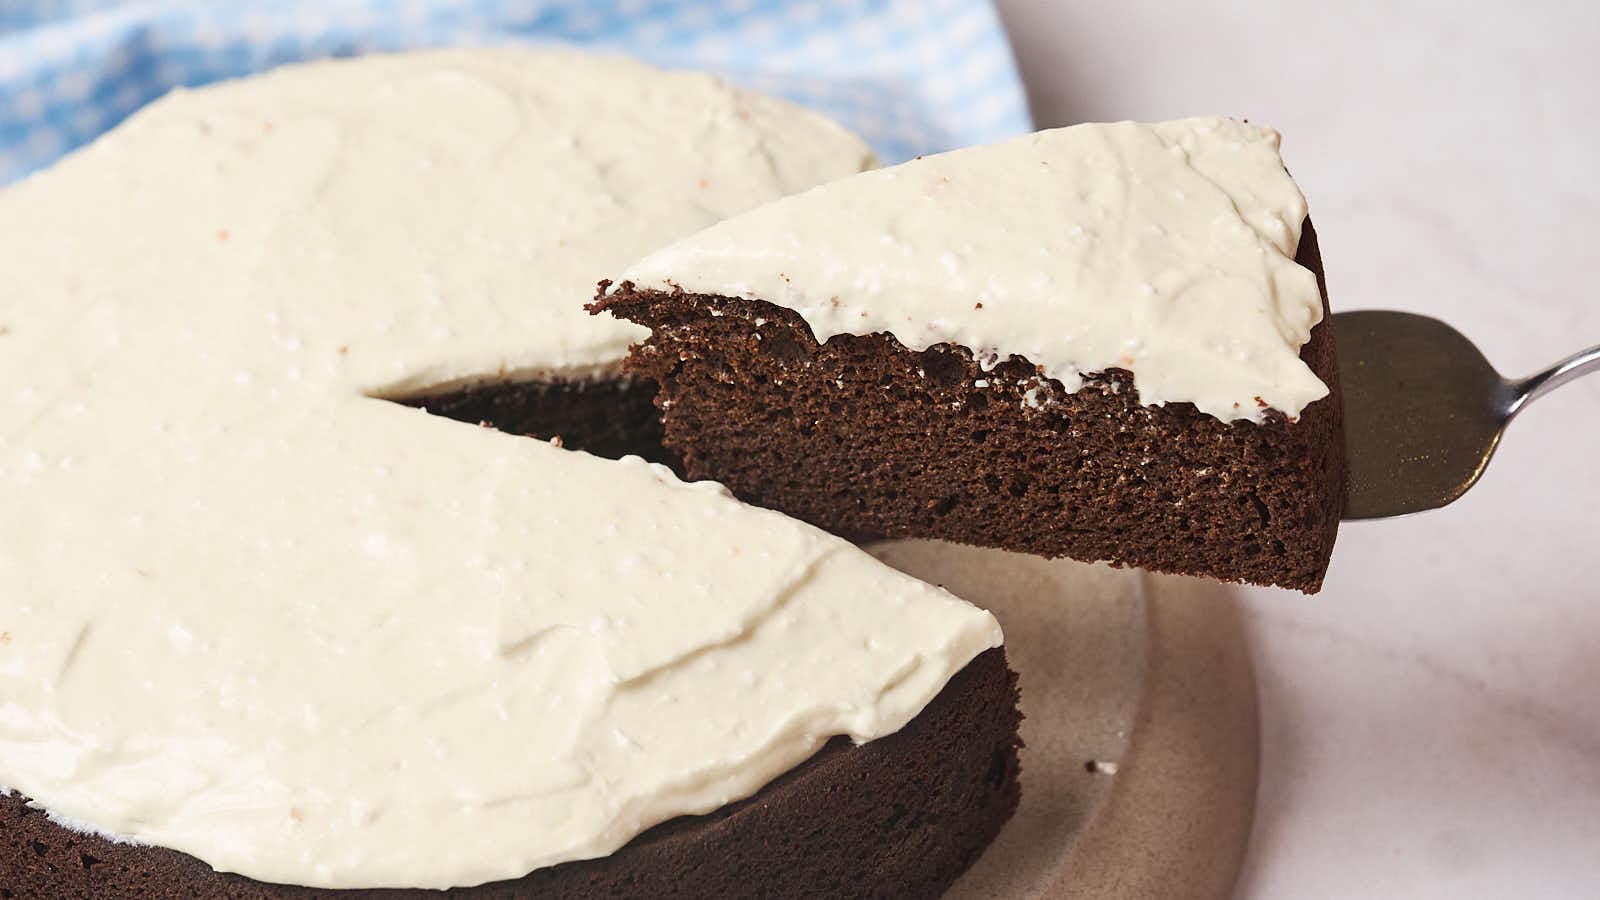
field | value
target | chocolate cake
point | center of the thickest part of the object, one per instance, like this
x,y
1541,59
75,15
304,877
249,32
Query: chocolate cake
x,y
928,419
898,817
261,620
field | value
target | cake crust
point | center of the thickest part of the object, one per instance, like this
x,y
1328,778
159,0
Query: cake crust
x,y
901,816
872,440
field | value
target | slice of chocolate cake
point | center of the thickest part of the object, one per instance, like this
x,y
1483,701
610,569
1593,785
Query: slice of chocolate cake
x,y
1100,342
266,634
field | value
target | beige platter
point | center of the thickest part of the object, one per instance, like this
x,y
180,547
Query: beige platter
x,y
1141,731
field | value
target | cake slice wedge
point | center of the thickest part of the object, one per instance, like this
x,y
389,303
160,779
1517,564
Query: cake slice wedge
x,y
1106,342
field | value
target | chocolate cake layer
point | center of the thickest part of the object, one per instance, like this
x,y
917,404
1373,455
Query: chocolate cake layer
x,y
870,440
899,817
606,416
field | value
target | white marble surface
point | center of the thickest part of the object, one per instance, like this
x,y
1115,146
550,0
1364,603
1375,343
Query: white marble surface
x,y
1431,727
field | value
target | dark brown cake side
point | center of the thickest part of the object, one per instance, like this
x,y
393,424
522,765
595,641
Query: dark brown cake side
x,y
606,416
869,439
901,816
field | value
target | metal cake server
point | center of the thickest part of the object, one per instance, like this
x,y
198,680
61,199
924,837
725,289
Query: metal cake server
x,y
1423,409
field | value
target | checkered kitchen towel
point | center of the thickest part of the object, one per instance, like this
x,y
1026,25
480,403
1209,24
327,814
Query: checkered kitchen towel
x,y
912,76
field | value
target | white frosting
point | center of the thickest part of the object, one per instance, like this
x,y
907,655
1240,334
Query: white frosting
x,y
256,615
1164,249
508,179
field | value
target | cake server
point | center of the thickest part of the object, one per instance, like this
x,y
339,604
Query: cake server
x,y
1424,410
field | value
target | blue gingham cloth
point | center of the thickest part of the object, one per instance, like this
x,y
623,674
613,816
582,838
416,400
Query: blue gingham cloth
x,y
911,76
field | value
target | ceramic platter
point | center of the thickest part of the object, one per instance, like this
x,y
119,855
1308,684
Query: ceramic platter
x,y
1139,770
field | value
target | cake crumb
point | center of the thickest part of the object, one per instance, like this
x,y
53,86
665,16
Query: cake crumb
x,y
1261,403
978,305
344,349
296,814
703,183
556,441
5,637
222,234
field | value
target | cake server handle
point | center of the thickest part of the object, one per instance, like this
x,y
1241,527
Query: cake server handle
x,y
1527,390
